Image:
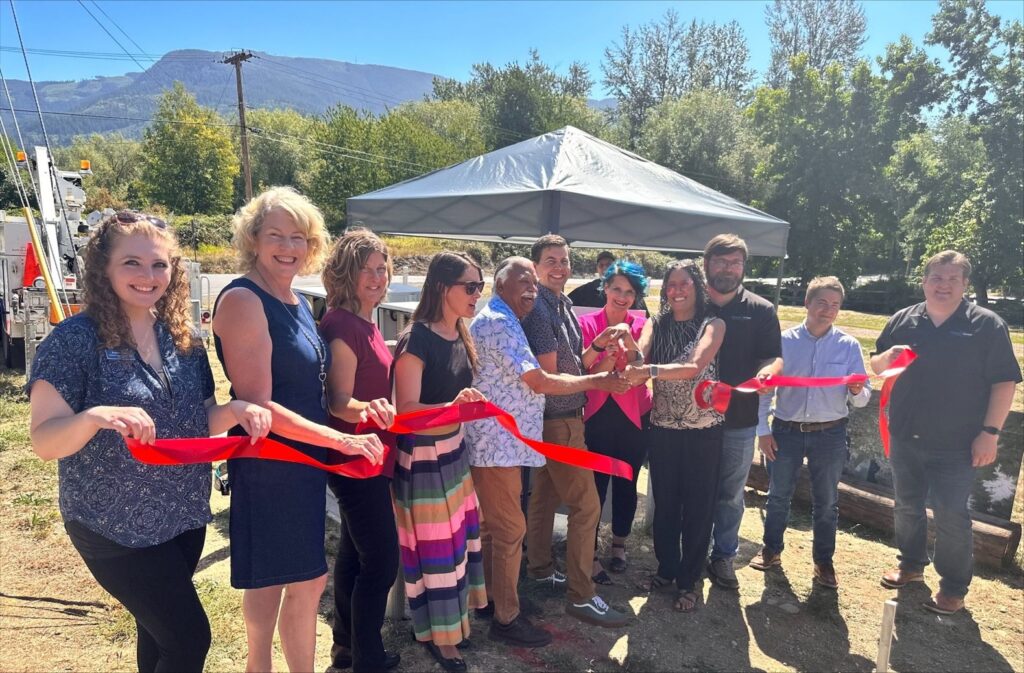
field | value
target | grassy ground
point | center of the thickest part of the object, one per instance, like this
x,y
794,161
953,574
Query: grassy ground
x,y
53,617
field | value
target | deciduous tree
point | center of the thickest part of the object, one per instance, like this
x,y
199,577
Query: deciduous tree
x,y
827,31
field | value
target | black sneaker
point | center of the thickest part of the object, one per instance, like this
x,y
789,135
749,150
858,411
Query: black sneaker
x,y
485,612
520,633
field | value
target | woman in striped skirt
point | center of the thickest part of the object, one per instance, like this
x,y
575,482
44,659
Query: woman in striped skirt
x,y
435,504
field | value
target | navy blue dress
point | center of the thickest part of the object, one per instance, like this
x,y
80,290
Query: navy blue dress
x,y
277,508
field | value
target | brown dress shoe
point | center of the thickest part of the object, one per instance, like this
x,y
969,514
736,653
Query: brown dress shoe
x,y
899,578
765,559
825,575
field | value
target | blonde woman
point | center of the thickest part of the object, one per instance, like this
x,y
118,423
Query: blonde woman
x,y
131,365
356,278
268,342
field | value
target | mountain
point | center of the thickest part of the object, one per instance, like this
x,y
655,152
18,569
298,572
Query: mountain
x,y
309,85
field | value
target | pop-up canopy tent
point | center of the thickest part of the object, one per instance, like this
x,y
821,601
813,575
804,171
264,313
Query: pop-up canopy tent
x,y
570,183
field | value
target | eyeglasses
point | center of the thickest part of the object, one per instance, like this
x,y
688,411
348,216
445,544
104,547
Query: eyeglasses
x,y
133,216
472,286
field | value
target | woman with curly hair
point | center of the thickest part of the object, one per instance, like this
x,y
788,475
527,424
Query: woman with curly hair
x,y
268,342
435,503
685,441
614,424
131,365
356,278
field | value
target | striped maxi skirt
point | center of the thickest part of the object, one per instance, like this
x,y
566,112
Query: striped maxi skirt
x,y
439,535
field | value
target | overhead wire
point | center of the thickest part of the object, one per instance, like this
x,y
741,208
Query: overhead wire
x,y
52,170
17,127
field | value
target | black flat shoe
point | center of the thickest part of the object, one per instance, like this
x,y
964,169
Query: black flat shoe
x,y
456,665
341,659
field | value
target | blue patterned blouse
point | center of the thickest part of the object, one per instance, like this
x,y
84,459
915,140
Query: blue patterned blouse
x,y
102,486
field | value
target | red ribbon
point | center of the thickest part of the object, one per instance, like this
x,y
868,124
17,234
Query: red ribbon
x,y
717,395
890,375
210,449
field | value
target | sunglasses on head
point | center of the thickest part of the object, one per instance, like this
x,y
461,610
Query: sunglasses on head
x,y
133,216
472,286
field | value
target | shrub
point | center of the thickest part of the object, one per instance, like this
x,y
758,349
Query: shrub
x,y
885,296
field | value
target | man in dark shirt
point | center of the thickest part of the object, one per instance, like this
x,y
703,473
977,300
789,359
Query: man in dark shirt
x,y
752,347
946,412
556,340
591,293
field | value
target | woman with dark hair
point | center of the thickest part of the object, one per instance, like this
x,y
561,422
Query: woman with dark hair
x,y
614,424
435,503
356,278
133,366
681,346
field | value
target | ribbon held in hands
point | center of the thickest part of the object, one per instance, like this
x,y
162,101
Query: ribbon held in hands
x,y
717,395
424,419
211,449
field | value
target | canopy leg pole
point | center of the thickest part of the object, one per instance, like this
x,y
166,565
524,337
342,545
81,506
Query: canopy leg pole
x,y
778,282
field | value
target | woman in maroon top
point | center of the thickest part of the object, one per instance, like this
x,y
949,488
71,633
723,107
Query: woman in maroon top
x,y
356,278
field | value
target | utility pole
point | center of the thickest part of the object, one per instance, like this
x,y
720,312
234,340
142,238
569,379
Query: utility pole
x,y
236,60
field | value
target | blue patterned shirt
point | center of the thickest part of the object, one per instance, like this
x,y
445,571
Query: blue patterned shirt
x,y
503,357
552,327
101,486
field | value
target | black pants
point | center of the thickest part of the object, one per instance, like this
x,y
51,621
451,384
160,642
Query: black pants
x,y
684,476
611,433
155,585
366,568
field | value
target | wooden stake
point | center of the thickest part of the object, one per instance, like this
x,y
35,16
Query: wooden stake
x,y
885,638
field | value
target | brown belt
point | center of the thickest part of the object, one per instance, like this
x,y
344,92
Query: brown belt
x,y
558,415
806,427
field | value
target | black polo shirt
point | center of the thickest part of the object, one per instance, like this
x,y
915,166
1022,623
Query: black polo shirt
x,y
752,335
943,395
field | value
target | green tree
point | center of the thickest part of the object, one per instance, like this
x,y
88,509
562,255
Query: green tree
x,y
831,133
706,136
989,87
459,122
827,31
663,60
116,162
189,162
279,149
521,101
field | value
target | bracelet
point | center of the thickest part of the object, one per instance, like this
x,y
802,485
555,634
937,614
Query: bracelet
x,y
596,348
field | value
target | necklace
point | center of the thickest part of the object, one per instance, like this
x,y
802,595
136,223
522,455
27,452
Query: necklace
x,y
317,344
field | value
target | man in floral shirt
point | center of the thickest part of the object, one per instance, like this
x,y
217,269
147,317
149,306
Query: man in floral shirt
x,y
510,376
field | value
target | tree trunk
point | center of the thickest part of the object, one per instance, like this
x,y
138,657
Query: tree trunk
x,y
981,292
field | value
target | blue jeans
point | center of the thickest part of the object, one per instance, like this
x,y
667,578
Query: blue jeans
x,y
920,469
737,454
826,454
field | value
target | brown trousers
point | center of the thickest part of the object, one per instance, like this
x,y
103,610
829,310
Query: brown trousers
x,y
502,529
552,485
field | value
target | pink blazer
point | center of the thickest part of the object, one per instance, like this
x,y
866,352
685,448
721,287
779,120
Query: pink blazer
x,y
635,402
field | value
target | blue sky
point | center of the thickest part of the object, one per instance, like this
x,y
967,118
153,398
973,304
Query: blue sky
x,y
444,38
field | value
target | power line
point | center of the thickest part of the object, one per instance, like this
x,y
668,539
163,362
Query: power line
x,y
127,119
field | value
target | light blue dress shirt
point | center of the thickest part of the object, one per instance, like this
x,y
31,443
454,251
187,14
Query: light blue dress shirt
x,y
503,356
835,353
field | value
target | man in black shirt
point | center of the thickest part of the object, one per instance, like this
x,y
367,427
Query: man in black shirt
x,y
591,293
752,347
946,412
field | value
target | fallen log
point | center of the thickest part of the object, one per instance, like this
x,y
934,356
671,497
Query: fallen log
x,y
995,540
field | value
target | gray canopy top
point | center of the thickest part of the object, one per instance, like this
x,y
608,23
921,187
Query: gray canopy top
x,y
570,183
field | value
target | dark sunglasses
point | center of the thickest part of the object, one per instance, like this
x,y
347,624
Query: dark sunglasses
x,y
132,216
472,286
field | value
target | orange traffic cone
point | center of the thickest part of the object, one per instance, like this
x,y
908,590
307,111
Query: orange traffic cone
x,y
32,270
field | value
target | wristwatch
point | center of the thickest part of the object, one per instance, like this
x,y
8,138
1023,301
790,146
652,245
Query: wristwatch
x,y
990,429
653,370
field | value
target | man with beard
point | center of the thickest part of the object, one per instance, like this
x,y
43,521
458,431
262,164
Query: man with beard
x,y
752,347
510,376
